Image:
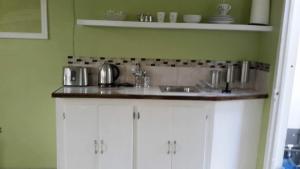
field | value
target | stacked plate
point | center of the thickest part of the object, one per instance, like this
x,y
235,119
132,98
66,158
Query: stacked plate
x,y
221,19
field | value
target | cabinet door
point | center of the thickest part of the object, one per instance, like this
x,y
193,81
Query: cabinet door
x,y
116,136
236,134
189,138
153,134
81,130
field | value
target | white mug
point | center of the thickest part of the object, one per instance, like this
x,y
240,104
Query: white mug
x,y
173,17
160,16
224,8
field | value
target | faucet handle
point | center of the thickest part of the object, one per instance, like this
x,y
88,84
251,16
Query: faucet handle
x,y
144,73
227,90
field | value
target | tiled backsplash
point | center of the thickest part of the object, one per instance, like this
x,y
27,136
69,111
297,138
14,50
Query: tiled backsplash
x,y
97,61
171,71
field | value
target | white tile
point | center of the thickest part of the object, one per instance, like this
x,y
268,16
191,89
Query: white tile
x,y
190,76
162,75
262,81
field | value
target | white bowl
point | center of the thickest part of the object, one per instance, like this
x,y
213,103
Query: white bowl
x,y
192,18
114,15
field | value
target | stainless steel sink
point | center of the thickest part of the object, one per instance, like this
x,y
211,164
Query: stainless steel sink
x,y
183,89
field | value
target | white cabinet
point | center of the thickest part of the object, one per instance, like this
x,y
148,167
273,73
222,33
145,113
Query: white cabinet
x,y
157,134
80,129
236,134
116,136
95,136
190,134
153,137
172,137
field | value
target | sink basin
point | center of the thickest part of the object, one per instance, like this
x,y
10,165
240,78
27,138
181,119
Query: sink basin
x,y
184,89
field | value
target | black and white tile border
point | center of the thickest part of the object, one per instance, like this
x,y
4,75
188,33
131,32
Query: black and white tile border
x,y
96,61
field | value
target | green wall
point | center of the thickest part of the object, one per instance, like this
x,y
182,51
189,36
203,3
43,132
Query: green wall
x,y
164,43
20,18
31,69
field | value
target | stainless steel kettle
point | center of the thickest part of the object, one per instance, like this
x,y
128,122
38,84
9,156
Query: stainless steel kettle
x,y
108,74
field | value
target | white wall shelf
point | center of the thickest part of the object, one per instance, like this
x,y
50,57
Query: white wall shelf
x,y
156,25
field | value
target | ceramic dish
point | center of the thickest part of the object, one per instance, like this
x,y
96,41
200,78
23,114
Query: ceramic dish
x,y
192,18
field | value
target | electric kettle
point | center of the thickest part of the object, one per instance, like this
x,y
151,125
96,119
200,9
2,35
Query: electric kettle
x,y
108,74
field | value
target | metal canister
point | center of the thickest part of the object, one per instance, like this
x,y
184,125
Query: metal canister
x,y
229,76
244,74
216,79
252,76
215,76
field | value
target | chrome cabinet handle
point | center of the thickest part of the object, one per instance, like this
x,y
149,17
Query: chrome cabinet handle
x,y
96,146
136,116
139,116
169,147
175,147
102,147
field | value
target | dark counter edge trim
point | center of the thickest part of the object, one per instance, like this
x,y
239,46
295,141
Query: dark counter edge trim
x,y
156,97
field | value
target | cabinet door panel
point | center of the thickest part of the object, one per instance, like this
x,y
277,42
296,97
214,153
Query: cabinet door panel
x,y
81,129
153,133
236,134
189,134
116,136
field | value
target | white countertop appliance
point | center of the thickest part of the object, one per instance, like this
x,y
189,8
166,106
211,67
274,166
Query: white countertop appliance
x,y
75,76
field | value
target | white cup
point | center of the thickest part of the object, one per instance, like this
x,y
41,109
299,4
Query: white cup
x,y
173,17
160,16
224,8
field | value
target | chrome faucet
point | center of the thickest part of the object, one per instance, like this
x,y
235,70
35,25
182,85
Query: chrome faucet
x,y
138,74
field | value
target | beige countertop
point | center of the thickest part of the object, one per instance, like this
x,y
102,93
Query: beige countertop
x,y
153,93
